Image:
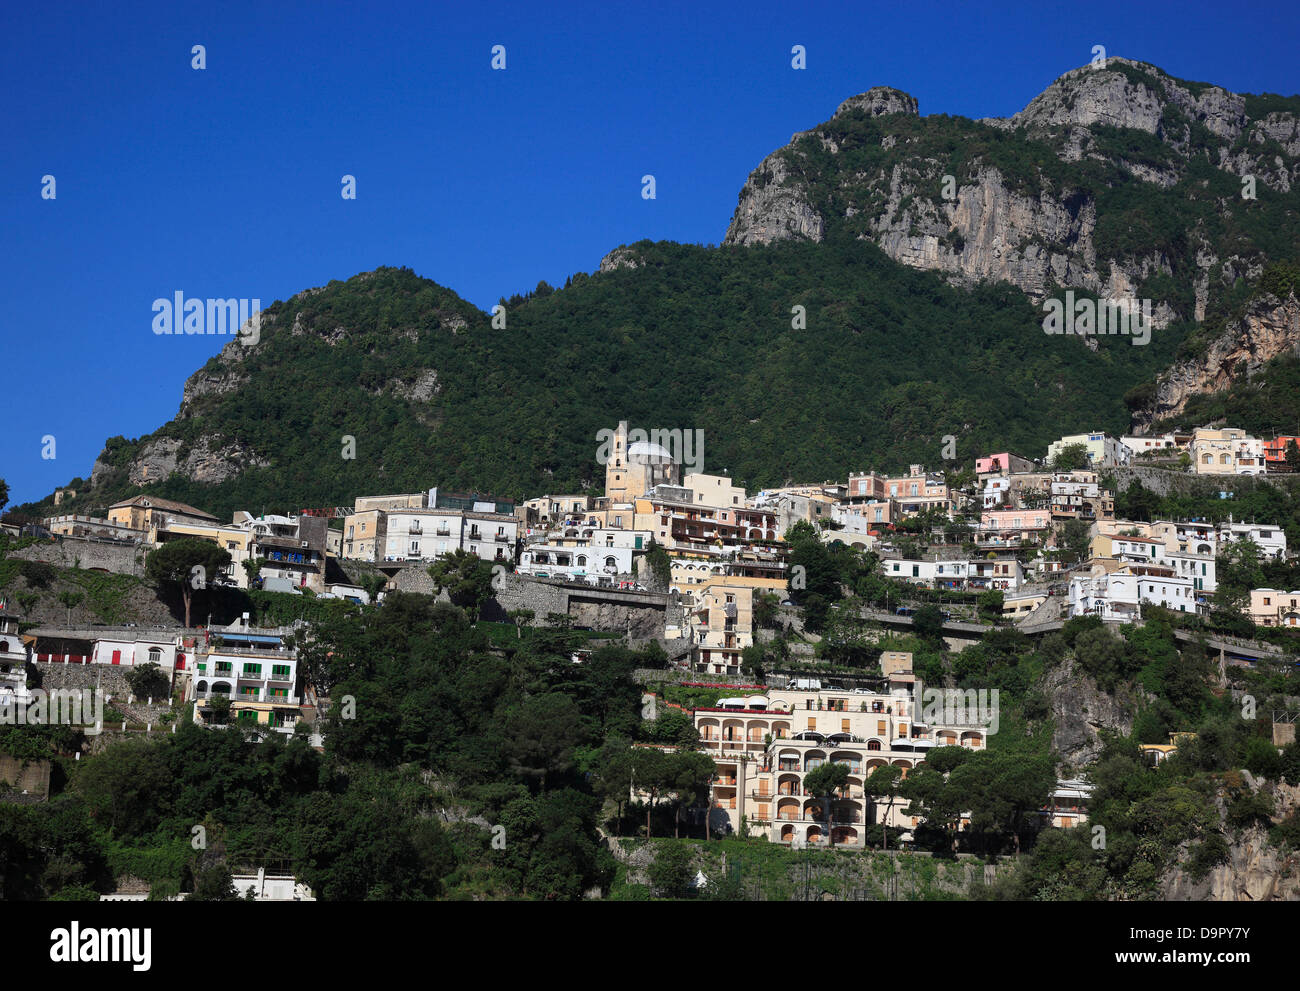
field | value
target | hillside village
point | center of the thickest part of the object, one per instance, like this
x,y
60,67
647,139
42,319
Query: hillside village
x,y
715,577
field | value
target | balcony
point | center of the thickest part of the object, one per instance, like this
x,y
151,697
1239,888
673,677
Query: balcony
x,y
443,531
502,538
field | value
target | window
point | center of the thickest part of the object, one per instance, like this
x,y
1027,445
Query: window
x,y
880,727
280,670
252,670
155,655
812,722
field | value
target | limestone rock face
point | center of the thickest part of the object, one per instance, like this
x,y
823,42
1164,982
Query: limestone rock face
x,y
885,179
206,461
1081,710
622,257
1254,870
773,208
1269,327
880,100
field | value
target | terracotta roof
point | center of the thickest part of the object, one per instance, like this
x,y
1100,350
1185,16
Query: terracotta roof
x,y
154,502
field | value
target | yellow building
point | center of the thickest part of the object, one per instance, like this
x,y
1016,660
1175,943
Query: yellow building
x,y
764,745
723,625
145,512
1274,607
634,466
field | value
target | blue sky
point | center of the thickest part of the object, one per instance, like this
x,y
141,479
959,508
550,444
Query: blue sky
x,y
226,181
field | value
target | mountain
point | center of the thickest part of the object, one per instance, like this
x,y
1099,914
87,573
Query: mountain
x,y
920,314
1119,180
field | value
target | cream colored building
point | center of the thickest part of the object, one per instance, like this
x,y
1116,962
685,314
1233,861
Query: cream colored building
x,y
145,512
364,533
635,468
722,623
1227,451
1274,607
713,490
764,746
409,500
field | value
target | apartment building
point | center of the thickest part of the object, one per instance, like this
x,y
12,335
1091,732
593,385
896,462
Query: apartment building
x,y
13,659
1270,538
1073,498
764,746
1002,574
1126,548
1013,526
145,512
548,511
91,526
235,539
713,490
427,534
1150,444
407,500
722,623
255,670
291,548
1117,595
1104,451
1274,607
679,524
866,487
364,533
1275,453
1005,463
1226,451
917,491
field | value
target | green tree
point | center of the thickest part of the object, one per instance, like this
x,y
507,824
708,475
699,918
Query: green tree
x,y
1071,457
825,781
148,681
672,871
466,577
186,565
540,735
884,783
1237,571
1292,456
1074,541
70,601
661,566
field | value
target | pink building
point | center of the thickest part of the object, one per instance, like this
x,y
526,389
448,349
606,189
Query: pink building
x,y
1003,464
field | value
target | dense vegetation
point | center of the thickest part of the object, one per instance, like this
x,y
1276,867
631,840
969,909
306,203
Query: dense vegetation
x,y
892,360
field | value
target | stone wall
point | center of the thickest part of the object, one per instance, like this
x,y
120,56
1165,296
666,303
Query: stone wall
x,y
90,555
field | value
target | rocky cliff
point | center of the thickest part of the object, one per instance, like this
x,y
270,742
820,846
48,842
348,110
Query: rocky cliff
x,y
1254,869
1077,190
1269,327
1080,710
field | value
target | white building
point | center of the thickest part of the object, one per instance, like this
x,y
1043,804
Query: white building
x,y
1270,537
1117,596
428,534
1002,574
552,560
1104,451
129,648
255,670
1146,445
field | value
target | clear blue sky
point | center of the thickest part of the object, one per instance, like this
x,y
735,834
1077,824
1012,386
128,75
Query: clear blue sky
x,y
225,182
